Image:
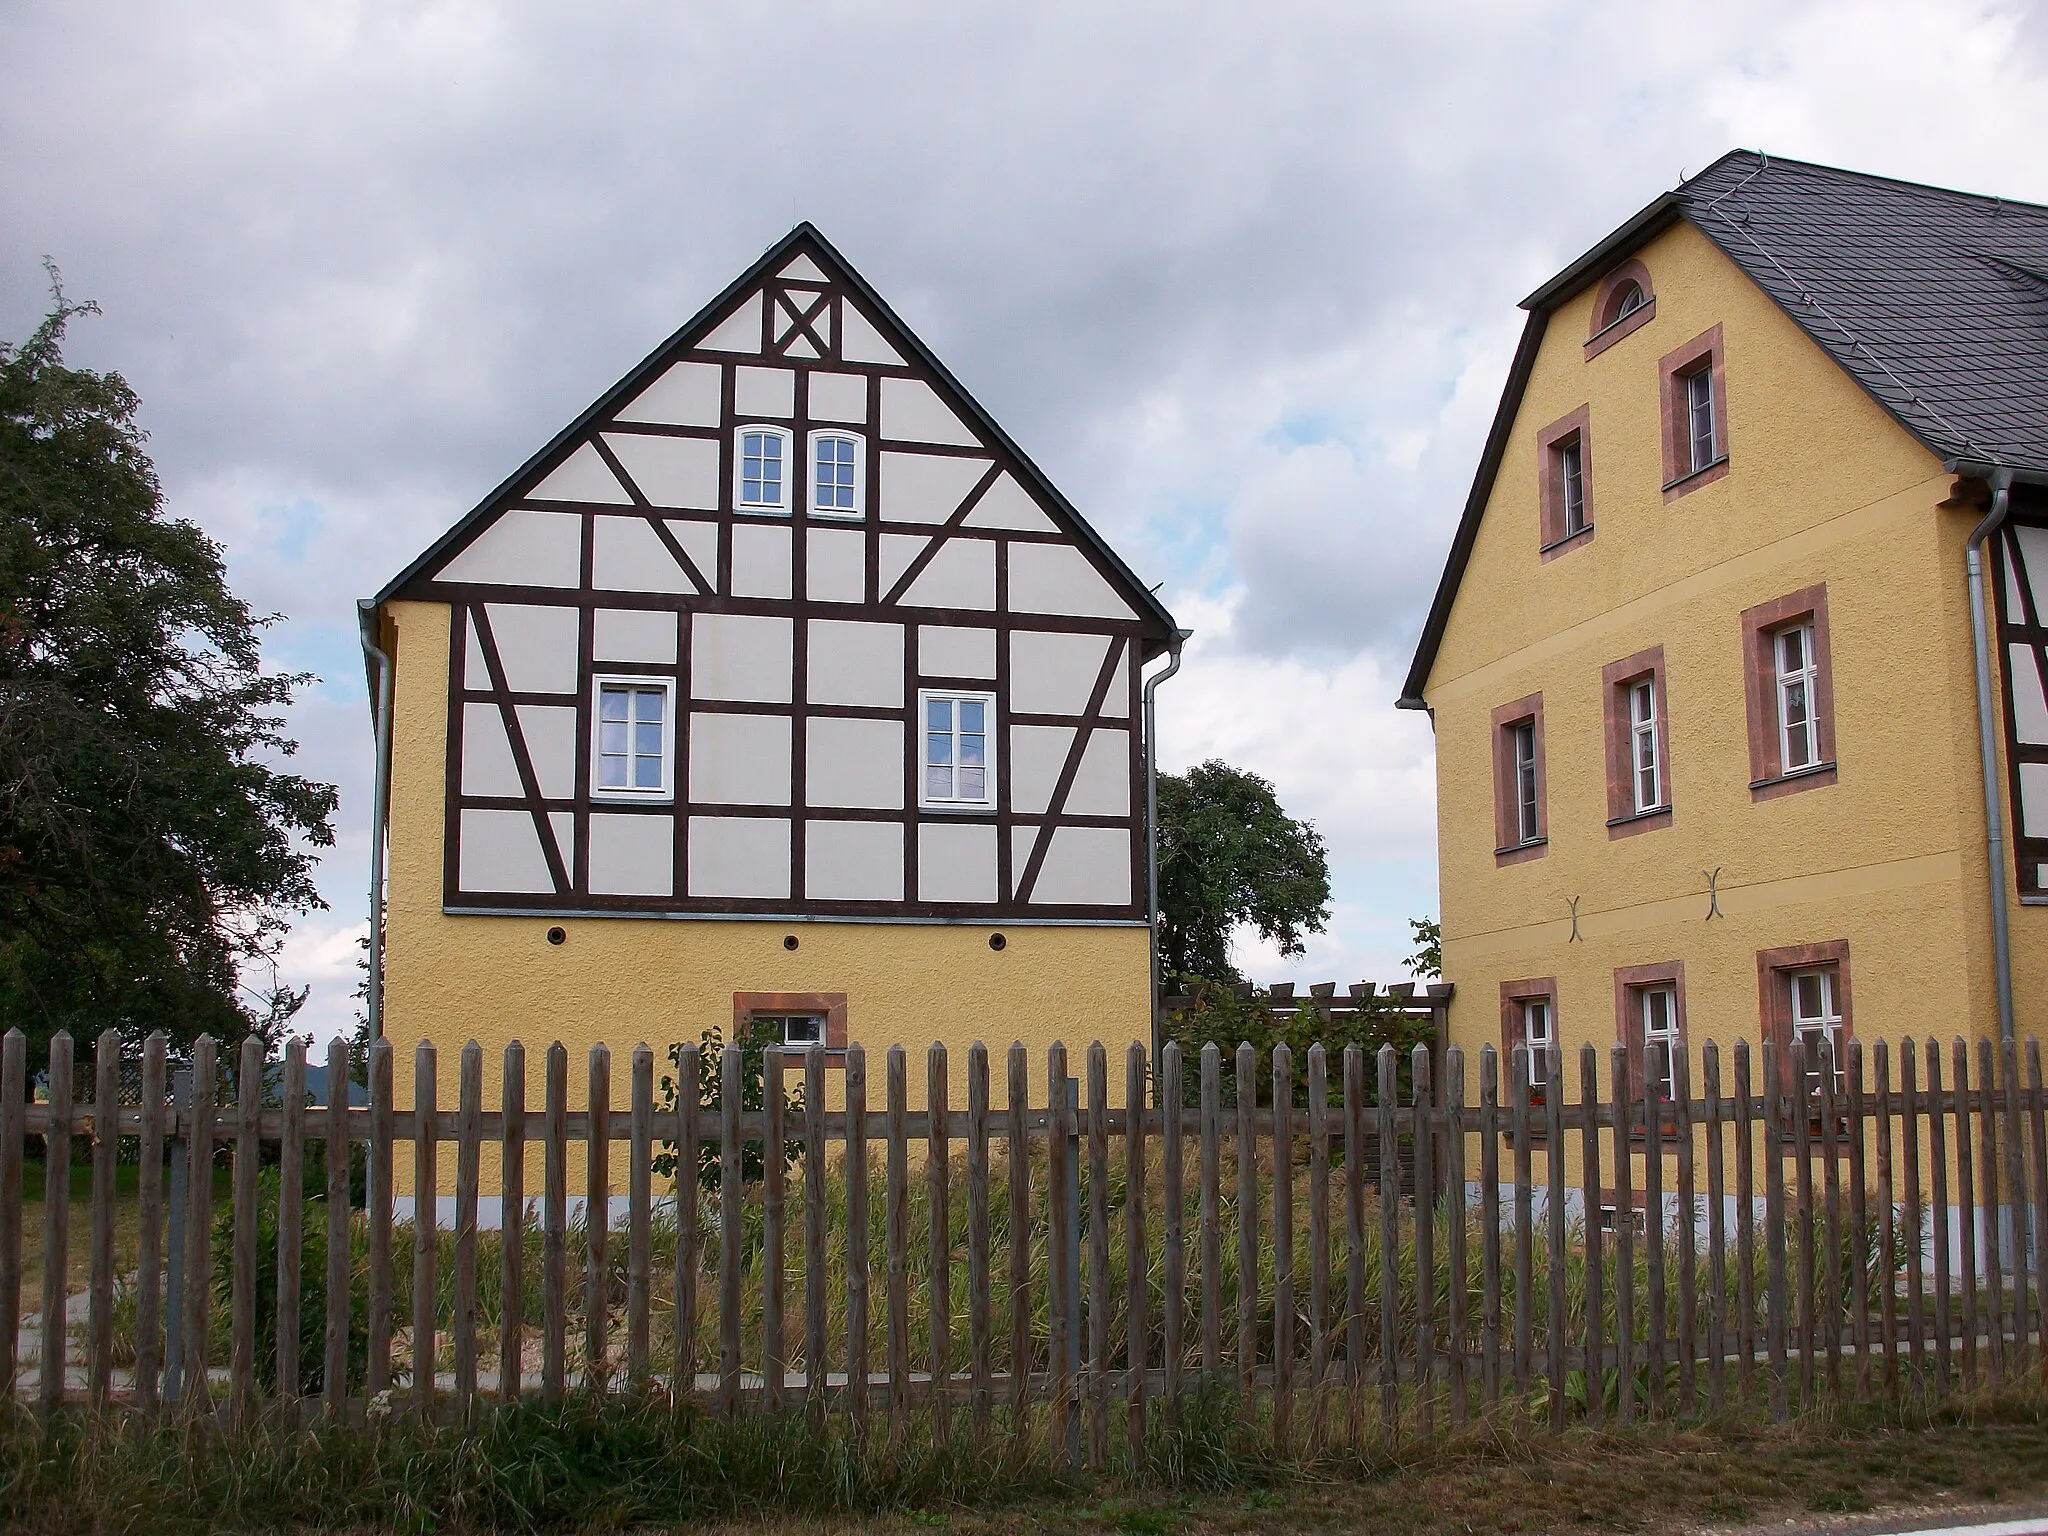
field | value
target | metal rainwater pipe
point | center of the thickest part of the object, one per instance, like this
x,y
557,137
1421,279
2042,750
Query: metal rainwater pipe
x,y
1173,649
1987,744
380,795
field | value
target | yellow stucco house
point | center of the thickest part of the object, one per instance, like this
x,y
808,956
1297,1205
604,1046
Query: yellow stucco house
x,y
1723,750
779,685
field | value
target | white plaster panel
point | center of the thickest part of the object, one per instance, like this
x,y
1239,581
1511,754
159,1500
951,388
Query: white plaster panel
x,y
563,825
853,860
2034,799
853,763
801,345
1008,505
802,270
1102,784
488,767
1037,753
738,332
1053,673
862,343
761,560
854,662
1085,866
739,759
474,673
1021,841
2033,541
699,541
686,396
945,650
500,851
632,855
1057,578
764,392
740,656
633,634
898,550
956,861
537,646
627,555
961,575
1117,702
679,472
524,549
838,571
839,397
912,412
739,856
583,476
924,487
550,735
2029,706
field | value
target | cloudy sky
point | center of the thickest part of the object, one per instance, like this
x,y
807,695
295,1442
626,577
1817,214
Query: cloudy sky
x,y
1241,278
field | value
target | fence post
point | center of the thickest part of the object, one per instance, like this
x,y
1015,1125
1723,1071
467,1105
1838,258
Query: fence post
x,y
174,1240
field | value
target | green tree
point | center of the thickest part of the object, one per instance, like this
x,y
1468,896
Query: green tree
x,y
1428,959
1229,856
150,849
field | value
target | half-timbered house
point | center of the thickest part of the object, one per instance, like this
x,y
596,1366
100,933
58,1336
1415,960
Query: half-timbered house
x,y
780,682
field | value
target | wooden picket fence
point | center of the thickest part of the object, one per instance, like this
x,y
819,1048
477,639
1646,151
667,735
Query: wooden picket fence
x,y
1387,1268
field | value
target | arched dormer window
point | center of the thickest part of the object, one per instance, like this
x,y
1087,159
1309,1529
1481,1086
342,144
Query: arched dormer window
x,y
1624,304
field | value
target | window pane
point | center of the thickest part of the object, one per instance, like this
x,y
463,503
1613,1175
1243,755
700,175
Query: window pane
x,y
938,715
971,748
611,704
938,783
647,738
938,748
611,736
973,783
1792,651
611,773
647,704
1806,1002
647,773
970,715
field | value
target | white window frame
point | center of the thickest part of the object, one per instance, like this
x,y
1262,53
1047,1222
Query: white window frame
x,y
1667,1036
1805,676
1827,1024
1571,486
1699,404
667,687
1528,812
739,468
1537,1041
990,734
1645,759
788,1019
859,509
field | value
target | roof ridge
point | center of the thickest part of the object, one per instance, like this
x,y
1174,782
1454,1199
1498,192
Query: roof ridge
x,y
1992,199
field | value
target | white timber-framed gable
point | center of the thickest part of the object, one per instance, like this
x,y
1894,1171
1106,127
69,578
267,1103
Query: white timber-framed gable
x,y
797,645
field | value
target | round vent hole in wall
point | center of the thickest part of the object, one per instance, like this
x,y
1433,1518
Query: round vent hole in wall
x,y
997,942
558,935
789,941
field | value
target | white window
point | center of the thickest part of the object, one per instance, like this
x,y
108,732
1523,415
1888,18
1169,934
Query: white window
x,y
1528,823
634,751
1817,1020
761,470
1629,300
798,1030
1536,1034
1798,740
1648,775
1699,415
1660,1041
959,749
1571,477
838,475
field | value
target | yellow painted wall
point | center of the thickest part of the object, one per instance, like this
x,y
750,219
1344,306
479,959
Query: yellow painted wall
x,y
623,981
1822,487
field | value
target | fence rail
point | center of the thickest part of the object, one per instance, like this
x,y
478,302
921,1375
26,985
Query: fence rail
x,y
1344,1264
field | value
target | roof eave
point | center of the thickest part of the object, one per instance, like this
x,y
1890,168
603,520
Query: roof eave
x,y
1653,219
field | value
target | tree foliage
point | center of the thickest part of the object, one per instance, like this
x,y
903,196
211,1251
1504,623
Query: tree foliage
x,y
1428,959
1229,856
150,849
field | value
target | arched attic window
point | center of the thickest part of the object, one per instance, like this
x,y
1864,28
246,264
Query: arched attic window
x,y
1625,303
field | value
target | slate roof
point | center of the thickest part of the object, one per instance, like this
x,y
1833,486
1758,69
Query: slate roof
x,y
1934,301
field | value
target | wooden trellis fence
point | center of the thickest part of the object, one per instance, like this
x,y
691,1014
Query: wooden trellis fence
x,y
1047,1265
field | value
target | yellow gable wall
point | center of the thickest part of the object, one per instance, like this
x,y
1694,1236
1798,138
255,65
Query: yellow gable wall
x,y
1822,487
622,981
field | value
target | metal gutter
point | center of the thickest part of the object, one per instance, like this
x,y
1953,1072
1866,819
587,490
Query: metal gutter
x,y
1173,648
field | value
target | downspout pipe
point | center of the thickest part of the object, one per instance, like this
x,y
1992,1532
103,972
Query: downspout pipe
x,y
379,662
1173,649
1987,746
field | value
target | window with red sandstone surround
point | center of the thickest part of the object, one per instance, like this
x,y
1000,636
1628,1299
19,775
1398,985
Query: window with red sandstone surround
x,y
1528,1017
1790,694
1520,826
1803,995
1564,465
802,1019
1624,305
1638,744
1693,394
1649,1018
